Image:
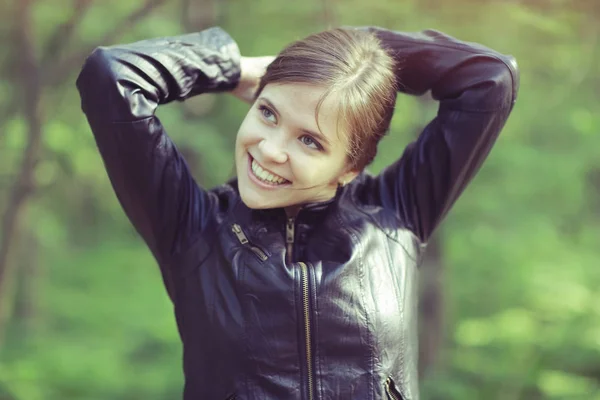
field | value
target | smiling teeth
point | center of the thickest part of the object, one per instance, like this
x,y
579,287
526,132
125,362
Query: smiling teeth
x,y
265,175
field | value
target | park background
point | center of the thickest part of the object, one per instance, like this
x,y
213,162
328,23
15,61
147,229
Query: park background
x,y
510,299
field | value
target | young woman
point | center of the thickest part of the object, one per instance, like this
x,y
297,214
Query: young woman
x,y
297,279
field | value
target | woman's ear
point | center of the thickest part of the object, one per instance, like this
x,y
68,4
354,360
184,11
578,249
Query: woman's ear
x,y
347,177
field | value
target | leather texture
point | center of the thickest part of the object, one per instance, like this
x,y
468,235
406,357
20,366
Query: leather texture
x,y
339,321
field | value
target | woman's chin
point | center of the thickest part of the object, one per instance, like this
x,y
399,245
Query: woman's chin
x,y
258,201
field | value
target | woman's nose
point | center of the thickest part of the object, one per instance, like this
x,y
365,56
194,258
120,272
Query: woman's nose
x,y
272,151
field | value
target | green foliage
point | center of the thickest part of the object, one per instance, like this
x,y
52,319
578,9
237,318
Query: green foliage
x,y
520,248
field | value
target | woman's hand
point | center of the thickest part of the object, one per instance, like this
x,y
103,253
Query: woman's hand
x,y
252,68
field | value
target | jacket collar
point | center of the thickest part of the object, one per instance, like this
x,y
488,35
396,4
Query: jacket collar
x,y
309,213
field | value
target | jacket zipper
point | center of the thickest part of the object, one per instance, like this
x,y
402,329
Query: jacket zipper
x,y
241,236
389,388
305,281
289,239
307,327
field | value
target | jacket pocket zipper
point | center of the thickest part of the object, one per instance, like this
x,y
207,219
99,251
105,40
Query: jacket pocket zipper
x,y
232,397
307,327
390,389
243,239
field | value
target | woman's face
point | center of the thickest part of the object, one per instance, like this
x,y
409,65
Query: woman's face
x,y
282,157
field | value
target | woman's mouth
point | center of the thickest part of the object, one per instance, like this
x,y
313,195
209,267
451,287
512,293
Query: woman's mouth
x,y
264,178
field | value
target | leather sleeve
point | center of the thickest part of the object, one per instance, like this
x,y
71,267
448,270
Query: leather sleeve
x,y
121,87
476,88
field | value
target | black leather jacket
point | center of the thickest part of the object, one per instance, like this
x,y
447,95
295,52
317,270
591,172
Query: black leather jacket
x,y
322,306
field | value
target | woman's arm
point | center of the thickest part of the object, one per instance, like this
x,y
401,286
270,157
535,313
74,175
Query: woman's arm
x,y
121,87
476,88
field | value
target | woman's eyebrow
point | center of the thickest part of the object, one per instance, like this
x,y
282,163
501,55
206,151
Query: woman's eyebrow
x,y
319,136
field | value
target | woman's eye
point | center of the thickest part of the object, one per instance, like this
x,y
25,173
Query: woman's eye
x,y
267,113
310,142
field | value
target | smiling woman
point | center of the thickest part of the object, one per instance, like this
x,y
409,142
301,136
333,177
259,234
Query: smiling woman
x,y
275,136
297,279
323,105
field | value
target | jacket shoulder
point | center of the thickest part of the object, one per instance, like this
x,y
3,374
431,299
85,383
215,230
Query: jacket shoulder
x,y
363,194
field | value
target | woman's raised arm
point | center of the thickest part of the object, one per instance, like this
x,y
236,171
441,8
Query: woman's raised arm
x,y
476,88
121,87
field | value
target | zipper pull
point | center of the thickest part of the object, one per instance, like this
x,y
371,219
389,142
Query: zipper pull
x,y
289,239
289,231
259,253
239,233
390,389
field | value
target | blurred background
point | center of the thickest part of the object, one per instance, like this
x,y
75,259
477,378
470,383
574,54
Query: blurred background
x,y
510,300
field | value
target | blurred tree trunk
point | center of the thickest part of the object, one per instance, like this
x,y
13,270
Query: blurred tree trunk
x,y
329,16
197,15
28,276
431,284
31,76
29,80
431,307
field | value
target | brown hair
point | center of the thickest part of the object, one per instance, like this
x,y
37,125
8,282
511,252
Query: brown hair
x,y
352,65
